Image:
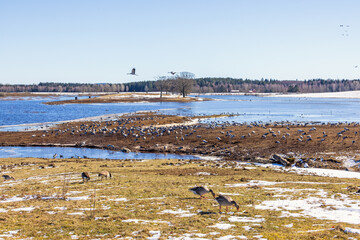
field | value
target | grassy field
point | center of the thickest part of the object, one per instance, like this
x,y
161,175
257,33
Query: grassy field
x,y
150,199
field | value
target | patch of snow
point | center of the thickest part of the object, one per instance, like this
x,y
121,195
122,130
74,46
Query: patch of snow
x,y
253,183
246,219
340,210
289,225
352,230
12,199
60,208
155,235
77,198
327,172
2,210
119,199
76,213
180,212
203,174
222,226
247,228
144,221
23,209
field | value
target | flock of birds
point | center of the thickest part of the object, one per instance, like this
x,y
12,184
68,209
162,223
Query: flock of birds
x,y
132,128
223,200
133,72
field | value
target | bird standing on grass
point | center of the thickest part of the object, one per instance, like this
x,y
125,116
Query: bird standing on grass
x,y
85,176
226,201
8,177
201,191
105,174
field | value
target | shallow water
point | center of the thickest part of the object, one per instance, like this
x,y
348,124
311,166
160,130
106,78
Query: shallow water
x,y
67,152
248,108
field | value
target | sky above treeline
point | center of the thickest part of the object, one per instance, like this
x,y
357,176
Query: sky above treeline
x,y
93,41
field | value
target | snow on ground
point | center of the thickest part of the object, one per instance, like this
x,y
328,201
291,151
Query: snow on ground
x,y
337,209
345,94
253,183
145,221
223,226
179,212
326,172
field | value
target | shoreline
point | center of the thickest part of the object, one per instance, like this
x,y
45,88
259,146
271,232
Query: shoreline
x,y
340,95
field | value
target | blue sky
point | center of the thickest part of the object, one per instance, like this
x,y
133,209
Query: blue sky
x,y
100,41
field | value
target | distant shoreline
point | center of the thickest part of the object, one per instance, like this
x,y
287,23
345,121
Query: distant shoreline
x,y
344,94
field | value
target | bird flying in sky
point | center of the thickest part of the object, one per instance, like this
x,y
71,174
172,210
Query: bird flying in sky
x,y
132,72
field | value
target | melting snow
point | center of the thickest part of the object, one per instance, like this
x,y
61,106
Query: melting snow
x,y
23,209
245,219
223,226
340,210
77,198
180,212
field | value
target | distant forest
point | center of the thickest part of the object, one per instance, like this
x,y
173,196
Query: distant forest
x,y
200,85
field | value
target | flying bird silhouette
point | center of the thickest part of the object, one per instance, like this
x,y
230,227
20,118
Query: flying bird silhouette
x,y
172,73
133,72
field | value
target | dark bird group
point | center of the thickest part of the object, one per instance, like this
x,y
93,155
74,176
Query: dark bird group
x,y
103,174
221,199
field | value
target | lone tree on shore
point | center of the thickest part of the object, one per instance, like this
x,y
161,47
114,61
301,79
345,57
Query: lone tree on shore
x,y
184,83
161,84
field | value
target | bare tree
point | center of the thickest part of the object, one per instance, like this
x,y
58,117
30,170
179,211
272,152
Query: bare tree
x,y
184,83
161,84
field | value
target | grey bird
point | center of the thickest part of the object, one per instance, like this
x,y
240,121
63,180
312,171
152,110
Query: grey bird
x,y
8,177
226,201
105,174
201,191
132,72
85,176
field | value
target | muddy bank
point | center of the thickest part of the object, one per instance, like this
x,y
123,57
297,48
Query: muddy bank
x,y
328,145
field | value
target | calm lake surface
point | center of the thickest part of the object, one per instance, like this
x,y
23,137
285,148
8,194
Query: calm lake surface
x,y
249,108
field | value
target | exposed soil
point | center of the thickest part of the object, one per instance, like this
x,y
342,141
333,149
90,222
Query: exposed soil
x,y
316,145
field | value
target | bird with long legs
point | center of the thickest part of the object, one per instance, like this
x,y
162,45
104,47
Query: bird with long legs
x,y
226,201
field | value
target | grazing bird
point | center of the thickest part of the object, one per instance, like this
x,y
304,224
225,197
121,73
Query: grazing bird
x,y
55,155
8,177
201,191
132,72
85,176
226,201
105,174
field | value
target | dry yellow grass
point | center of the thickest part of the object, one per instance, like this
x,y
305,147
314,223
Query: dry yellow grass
x,y
152,195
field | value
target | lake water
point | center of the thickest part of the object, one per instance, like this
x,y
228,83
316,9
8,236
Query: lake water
x,y
67,152
249,108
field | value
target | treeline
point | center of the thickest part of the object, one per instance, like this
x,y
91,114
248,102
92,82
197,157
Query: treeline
x,y
200,85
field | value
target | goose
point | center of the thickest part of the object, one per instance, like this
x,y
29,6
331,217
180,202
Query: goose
x,y
85,176
201,191
132,72
8,177
105,174
226,201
